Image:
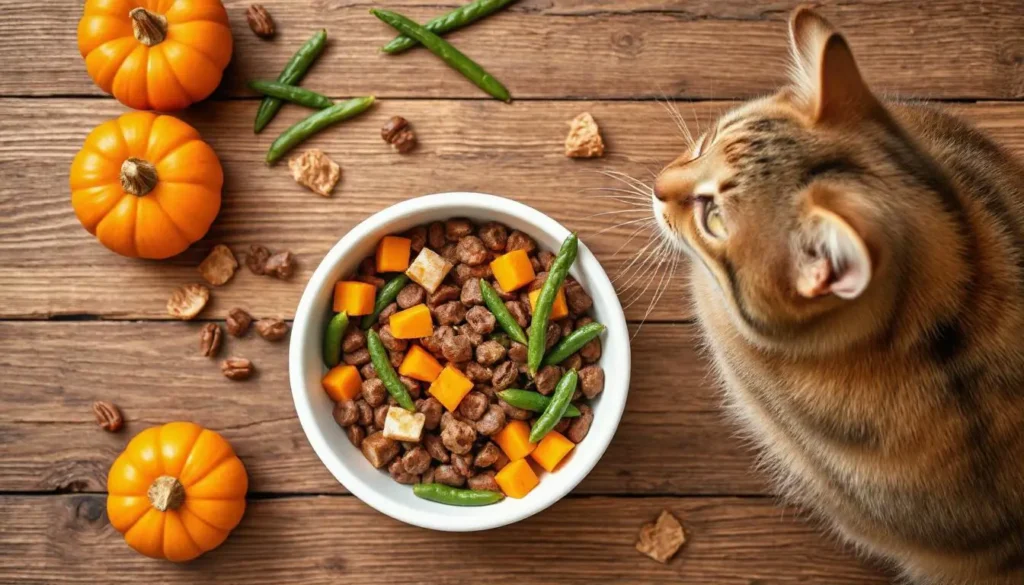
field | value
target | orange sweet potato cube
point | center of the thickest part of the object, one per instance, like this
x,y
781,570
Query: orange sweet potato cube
x,y
355,298
559,310
517,479
513,270
420,365
514,440
412,323
450,387
393,254
551,450
342,383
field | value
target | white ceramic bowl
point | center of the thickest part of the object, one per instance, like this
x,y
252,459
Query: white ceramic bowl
x,y
375,487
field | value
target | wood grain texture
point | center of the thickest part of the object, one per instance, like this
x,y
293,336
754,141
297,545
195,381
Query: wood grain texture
x,y
327,540
50,266
672,440
577,48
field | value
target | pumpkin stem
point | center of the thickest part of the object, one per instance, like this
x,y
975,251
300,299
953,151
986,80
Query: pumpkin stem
x,y
138,176
149,28
166,493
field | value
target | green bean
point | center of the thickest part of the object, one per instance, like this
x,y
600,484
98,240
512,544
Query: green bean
x,y
292,73
386,372
555,410
456,19
294,136
533,401
291,93
332,339
571,343
501,312
385,297
444,494
449,54
539,326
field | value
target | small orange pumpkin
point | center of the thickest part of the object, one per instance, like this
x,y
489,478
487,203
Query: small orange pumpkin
x,y
176,491
155,54
146,186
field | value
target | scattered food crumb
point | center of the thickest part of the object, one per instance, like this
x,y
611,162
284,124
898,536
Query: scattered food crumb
x,y
259,21
256,259
272,329
187,301
280,265
219,266
584,139
314,170
399,134
661,539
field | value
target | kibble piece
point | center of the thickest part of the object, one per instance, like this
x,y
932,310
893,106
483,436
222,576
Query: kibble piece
x,y
661,539
428,269
457,348
592,381
580,425
432,411
188,301
463,464
517,240
517,352
416,460
450,313
397,132
483,481
477,373
444,293
356,434
584,139
346,413
418,237
591,352
435,235
374,392
365,413
457,228
514,412
471,250
447,475
375,281
471,295
546,259
357,358
546,379
353,340
398,473
435,447
411,295
390,342
504,375
219,266
489,353
487,455
368,372
458,437
481,320
473,406
315,171
494,236
379,450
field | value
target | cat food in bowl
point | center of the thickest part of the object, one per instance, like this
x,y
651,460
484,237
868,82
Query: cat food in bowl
x,y
426,397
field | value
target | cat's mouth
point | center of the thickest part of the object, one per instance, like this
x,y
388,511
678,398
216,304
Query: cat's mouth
x,y
668,217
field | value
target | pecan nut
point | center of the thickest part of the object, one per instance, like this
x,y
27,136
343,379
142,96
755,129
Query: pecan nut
x,y
260,21
238,322
272,329
108,415
280,265
209,340
236,368
399,134
188,301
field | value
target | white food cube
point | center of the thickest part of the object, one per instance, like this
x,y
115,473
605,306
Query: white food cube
x,y
428,269
402,425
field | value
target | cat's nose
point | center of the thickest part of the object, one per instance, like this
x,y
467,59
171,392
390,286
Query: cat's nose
x,y
673,184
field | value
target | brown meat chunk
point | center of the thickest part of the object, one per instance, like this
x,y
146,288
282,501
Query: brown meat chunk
x,y
457,228
379,450
418,237
481,320
380,414
513,412
538,282
396,358
580,425
448,475
573,362
591,352
463,464
389,341
457,348
487,455
450,253
546,379
411,295
517,240
473,405
471,250
661,539
435,236
471,295
399,474
357,357
483,481
432,410
374,392
346,413
478,373
562,426
376,281
505,375
474,338
385,315
592,381
416,460
451,313
494,236
546,259
368,372
492,421
489,353
518,312
427,476
505,296
554,333
413,386
578,300
353,340
584,320
365,413
435,447
356,434
368,266
517,352
458,437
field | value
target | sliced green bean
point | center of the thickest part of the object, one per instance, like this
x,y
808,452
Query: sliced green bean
x,y
572,343
539,325
388,293
445,494
501,313
291,93
462,16
332,339
447,53
533,401
295,135
386,372
555,410
292,74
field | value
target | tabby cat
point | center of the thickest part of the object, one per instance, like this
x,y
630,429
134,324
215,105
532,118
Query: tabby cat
x,y
858,274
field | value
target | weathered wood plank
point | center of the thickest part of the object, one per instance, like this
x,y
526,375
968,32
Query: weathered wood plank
x,y
67,539
672,440
577,48
50,266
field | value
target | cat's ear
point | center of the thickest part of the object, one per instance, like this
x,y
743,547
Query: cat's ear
x,y
825,75
832,257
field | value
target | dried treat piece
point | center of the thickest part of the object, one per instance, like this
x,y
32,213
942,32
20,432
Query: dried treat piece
x,y
447,475
463,464
517,240
411,295
418,238
580,426
398,473
471,295
357,357
473,406
236,368
354,339
458,436
480,320
591,381
584,139
457,228
504,375
400,424
471,250
451,313
661,539
379,450
219,266
398,134
487,455
517,352
432,410
356,434
187,301
256,259
280,265
489,353
346,413
483,481
416,460
546,379
374,392
259,21
494,236
435,447
429,269
108,415
272,329
315,171
209,340
237,322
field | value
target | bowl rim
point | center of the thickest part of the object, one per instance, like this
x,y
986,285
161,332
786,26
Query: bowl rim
x,y
612,403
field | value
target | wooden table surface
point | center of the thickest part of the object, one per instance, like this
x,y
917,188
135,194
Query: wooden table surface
x,y
79,323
